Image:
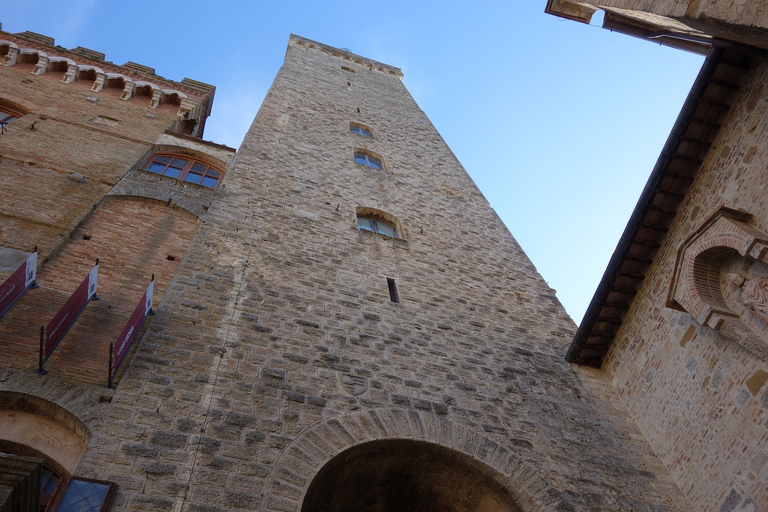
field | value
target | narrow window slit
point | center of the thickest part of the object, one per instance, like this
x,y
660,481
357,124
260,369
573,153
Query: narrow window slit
x,y
171,258
393,296
86,237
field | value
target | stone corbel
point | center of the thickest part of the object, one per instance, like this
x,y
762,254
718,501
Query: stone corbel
x,y
41,66
187,109
127,94
98,84
11,57
157,95
71,73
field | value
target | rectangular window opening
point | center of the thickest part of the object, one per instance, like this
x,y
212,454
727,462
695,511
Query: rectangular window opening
x,y
393,296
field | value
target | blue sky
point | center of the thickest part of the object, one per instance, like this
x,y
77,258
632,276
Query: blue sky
x,y
558,123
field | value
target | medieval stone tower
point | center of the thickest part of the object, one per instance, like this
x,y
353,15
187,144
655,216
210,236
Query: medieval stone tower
x,y
351,327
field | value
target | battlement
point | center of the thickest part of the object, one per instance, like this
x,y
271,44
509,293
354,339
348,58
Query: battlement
x,y
345,55
38,55
39,42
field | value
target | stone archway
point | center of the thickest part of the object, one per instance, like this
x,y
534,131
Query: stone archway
x,y
36,427
323,454
403,475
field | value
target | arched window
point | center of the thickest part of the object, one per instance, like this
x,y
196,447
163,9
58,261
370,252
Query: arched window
x,y
368,160
184,168
360,130
376,224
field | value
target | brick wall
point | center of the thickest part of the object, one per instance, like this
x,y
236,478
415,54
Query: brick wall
x,y
38,204
133,239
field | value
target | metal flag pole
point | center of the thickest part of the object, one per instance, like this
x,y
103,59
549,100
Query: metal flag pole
x,y
109,377
40,370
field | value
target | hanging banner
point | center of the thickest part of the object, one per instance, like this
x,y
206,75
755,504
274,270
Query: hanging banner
x,y
20,281
131,329
52,334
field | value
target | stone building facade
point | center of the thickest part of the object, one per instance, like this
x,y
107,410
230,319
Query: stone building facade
x,y
684,346
342,321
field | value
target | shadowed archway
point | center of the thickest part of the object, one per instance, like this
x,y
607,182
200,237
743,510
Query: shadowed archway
x,y
406,476
396,441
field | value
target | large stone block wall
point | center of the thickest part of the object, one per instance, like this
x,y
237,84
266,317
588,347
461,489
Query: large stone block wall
x,y
700,398
235,398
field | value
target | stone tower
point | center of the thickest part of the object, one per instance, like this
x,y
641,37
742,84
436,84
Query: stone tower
x,y
353,328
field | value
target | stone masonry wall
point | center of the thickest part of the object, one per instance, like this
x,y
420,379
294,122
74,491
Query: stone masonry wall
x,y
235,398
700,398
737,12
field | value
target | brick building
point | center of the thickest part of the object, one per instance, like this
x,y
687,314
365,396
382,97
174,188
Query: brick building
x,y
342,321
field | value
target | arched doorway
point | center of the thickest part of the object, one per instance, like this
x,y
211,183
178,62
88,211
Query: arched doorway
x,y
400,475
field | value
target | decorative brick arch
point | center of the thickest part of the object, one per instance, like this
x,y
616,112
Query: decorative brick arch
x,y
39,58
60,64
696,282
287,484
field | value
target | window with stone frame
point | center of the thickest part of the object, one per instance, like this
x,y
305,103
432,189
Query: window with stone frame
x,y
368,160
184,168
360,130
376,224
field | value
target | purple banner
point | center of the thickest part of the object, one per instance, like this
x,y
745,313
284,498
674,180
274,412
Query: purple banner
x,y
132,328
68,313
15,286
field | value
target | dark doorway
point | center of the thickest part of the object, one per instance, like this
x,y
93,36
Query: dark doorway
x,y
405,476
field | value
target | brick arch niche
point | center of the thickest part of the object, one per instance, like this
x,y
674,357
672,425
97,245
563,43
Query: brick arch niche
x,y
403,460
724,242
